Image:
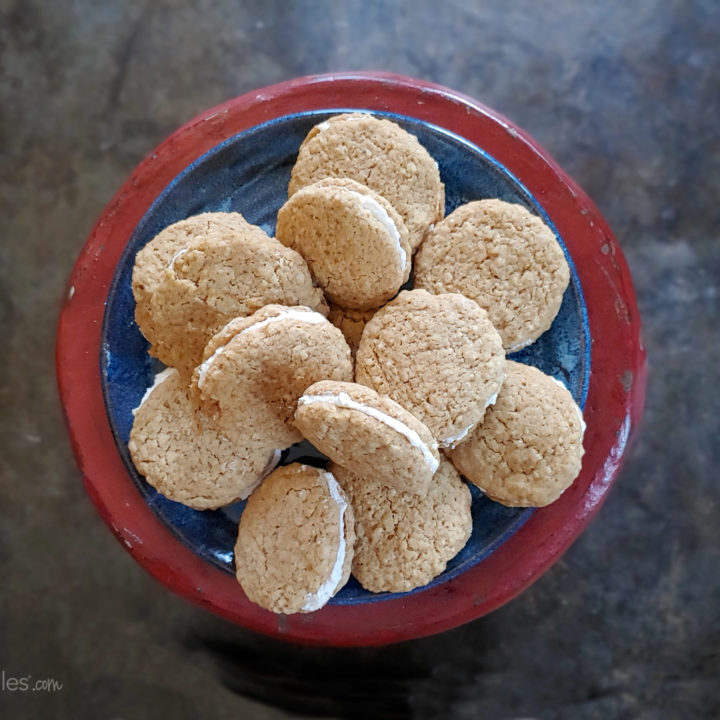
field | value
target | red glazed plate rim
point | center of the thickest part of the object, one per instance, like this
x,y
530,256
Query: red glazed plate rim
x,y
612,411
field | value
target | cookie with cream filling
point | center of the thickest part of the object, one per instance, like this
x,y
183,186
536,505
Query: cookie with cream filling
x,y
295,541
359,429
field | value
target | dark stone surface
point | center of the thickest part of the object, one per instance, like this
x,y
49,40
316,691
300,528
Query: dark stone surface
x,y
626,96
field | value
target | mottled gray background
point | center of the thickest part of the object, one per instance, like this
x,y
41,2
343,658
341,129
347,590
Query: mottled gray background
x,y
626,95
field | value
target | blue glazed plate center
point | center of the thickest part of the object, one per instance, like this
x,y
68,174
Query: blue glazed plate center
x,y
249,173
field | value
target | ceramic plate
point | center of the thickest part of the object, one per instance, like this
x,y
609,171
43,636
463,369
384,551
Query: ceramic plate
x,y
238,158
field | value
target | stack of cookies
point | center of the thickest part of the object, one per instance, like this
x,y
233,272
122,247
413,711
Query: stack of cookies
x,y
408,393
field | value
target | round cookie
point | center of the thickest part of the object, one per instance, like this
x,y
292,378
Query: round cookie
x,y
438,356
351,323
381,155
405,539
295,541
503,257
528,450
152,260
352,238
262,364
184,456
358,428
222,267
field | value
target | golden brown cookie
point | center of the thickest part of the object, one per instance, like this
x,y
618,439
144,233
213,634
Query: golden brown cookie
x,y
185,457
351,323
503,257
405,539
381,155
353,240
438,356
295,541
260,365
221,267
359,429
153,259
528,450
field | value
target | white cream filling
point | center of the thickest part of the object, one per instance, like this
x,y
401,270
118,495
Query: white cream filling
x,y
171,266
325,124
314,601
159,378
453,440
379,213
272,462
492,399
308,316
342,399
577,407
519,345
583,426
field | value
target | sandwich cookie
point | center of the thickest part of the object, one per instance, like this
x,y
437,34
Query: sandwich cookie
x,y
503,257
405,539
185,457
260,365
438,356
295,541
352,238
381,155
351,323
359,429
224,268
153,259
528,450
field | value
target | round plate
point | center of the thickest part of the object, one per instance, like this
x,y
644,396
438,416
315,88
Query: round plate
x,y
249,173
238,157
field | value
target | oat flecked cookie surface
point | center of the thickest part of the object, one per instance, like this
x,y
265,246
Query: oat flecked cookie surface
x,y
183,455
153,259
380,154
503,257
295,542
200,273
406,539
353,240
529,449
436,355
359,429
260,365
